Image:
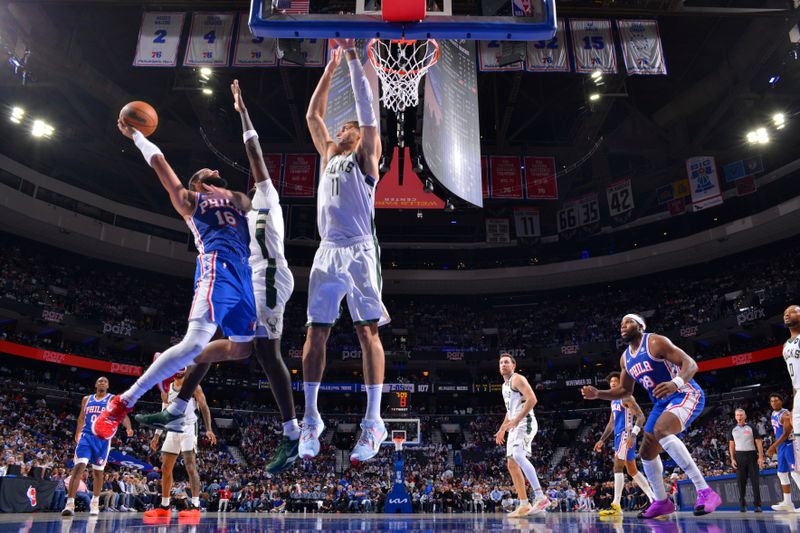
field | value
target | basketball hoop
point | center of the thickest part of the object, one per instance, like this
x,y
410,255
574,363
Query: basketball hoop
x,y
398,442
400,65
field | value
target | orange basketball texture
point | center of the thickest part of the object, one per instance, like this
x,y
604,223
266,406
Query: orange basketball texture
x,y
140,115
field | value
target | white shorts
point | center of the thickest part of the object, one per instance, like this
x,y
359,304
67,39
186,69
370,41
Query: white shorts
x,y
177,443
522,435
272,287
796,414
352,270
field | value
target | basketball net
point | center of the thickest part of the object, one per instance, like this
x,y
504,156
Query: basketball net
x,y
400,65
398,442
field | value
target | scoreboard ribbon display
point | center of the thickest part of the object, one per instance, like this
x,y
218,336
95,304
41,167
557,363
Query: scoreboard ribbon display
x,y
593,46
159,37
209,40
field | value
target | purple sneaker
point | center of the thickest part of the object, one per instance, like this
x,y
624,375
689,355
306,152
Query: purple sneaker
x,y
658,508
707,502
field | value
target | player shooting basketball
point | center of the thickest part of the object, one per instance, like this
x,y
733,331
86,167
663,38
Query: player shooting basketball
x,y
347,263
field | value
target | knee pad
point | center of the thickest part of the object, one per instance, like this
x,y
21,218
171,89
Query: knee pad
x,y
784,477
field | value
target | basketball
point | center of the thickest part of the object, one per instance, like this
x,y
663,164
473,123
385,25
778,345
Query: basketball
x,y
140,115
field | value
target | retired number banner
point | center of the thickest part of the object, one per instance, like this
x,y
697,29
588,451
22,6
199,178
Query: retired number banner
x,y
593,46
567,217
209,40
313,51
526,221
298,175
506,177
540,178
159,37
252,51
641,47
704,182
490,54
620,197
588,209
549,56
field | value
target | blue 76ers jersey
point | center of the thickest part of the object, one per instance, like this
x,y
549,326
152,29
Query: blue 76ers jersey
x,y
623,419
93,409
777,426
649,372
219,227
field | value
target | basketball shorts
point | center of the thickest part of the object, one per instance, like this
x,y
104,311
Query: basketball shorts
x,y
796,412
92,450
272,285
687,406
223,295
349,270
178,443
621,450
522,436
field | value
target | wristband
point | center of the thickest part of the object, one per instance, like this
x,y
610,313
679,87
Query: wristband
x,y
636,430
677,380
249,134
159,432
148,149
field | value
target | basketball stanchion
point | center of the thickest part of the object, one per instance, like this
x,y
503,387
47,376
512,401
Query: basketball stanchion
x,y
398,500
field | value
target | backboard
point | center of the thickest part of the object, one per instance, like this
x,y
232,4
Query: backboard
x,y
535,21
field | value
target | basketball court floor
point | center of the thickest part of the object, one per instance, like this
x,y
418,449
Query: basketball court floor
x,y
246,522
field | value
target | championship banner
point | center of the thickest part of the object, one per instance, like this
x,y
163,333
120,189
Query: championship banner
x,y
37,354
702,171
491,53
485,176
159,37
620,197
526,222
549,56
593,46
506,177
313,51
209,40
298,175
128,461
252,51
746,186
540,178
273,162
641,47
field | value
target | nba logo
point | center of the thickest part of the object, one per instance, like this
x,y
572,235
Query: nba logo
x,y
31,494
522,8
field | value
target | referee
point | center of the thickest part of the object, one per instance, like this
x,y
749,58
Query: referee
x,y
747,457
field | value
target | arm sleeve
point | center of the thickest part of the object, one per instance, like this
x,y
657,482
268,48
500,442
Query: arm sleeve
x,y
363,94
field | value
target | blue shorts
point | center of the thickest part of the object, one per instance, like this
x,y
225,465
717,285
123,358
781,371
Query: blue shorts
x,y
786,457
687,406
629,455
223,295
92,450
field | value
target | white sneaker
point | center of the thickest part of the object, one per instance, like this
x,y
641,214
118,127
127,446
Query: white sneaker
x,y
69,510
373,434
310,430
540,505
123,509
523,509
783,506
94,508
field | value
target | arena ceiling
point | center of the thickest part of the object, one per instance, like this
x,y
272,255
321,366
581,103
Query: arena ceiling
x,y
720,55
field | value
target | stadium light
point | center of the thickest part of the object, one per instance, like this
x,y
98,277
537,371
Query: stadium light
x,y
594,97
205,73
207,91
42,129
762,135
779,119
16,115
597,74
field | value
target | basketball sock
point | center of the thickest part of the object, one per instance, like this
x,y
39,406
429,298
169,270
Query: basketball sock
x,y
787,498
182,354
291,429
70,501
640,480
311,390
619,484
374,393
677,450
177,407
654,470
95,499
796,478
164,502
196,501
528,469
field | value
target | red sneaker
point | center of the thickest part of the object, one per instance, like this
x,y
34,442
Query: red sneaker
x,y
158,512
192,512
109,420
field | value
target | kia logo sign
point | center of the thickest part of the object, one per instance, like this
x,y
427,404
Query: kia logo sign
x,y
397,501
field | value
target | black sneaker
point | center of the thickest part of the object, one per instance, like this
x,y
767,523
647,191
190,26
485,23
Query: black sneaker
x,y
162,420
284,456
742,509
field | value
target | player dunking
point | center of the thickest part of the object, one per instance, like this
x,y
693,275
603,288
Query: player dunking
x,y
185,444
347,263
791,354
783,446
91,449
625,423
520,423
666,372
223,294
273,284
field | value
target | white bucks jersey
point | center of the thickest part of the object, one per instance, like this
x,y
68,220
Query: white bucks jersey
x,y
190,416
791,354
512,398
265,222
345,200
